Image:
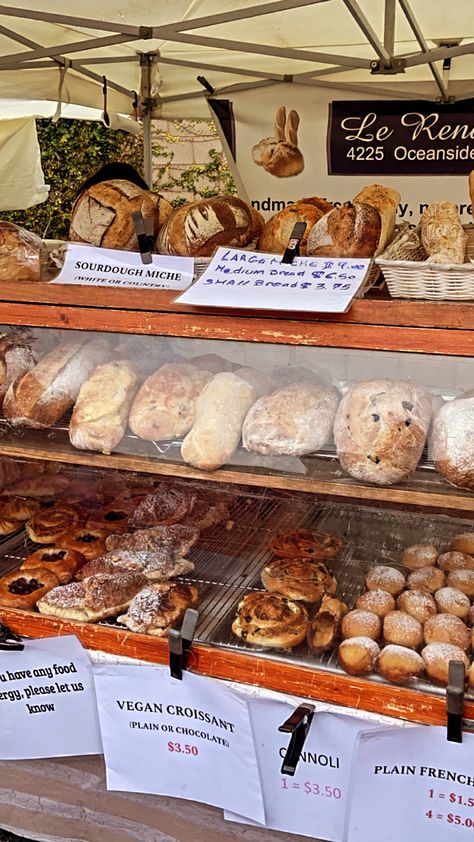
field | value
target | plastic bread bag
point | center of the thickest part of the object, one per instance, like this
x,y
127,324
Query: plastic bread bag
x,y
22,254
381,428
452,440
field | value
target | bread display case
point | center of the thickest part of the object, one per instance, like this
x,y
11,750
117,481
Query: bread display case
x,y
301,481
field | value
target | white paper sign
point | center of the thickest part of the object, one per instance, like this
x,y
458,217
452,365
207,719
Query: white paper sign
x,y
411,785
47,701
86,265
313,802
188,739
261,281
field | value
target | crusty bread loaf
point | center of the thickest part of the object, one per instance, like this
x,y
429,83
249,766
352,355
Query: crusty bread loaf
x,y
199,228
40,397
16,358
280,155
164,407
292,421
385,200
220,411
102,214
442,234
277,230
100,414
380,429
352,230
22,253
453,441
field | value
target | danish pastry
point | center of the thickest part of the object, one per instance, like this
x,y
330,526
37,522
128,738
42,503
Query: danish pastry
x,y
159,607
306,543
19,508
96,598
167,504
48,525
158,565
270,620
63,563
23,588
111,518
89,542
298,578
46,486
8,526
357,655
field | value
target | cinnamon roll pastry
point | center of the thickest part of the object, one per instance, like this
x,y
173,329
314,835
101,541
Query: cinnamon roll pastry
x,y
23,588
167,504
89,542
63,563
159,607
270,620
96,598
306,543
50,524
159,565
183,538
298,578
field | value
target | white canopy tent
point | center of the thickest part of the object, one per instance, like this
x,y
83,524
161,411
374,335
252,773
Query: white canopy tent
x,y
152,52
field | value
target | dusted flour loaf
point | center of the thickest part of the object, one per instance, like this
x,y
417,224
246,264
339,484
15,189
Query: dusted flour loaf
x,y
165,404
100,414
442,234
102,214
453,441
352,230
41,396
385,200
291,422
220,411
200,227
277,231
380,429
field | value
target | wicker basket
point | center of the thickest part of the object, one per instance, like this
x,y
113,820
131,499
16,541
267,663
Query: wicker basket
x,y
419,279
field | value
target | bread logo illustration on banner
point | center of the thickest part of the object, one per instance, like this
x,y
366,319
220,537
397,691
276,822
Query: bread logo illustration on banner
x,y
280,155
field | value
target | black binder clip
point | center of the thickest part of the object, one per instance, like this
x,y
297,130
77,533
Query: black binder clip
x,y
180,643
298,726
293,248
455,701
144,231
10,641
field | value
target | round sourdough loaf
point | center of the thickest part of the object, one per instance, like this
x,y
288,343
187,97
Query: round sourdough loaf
x,y
102,214
380,429
277,230
195,230
453,441
22,253
352,230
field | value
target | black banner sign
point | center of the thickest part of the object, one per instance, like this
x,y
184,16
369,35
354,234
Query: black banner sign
x,y
400,138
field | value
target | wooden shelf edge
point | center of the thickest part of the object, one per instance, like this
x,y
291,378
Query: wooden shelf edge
x,y
344,690
283,482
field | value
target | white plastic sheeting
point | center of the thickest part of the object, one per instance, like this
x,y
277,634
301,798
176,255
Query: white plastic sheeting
x,y
21,177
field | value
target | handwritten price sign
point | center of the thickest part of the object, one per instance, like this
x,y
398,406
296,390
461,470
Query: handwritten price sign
x,y
405,776
261,281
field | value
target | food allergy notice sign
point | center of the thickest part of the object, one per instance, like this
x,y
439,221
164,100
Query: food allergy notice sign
x,y
400,138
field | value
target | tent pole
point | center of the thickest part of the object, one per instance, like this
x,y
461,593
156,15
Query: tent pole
x,y
148,104
389,27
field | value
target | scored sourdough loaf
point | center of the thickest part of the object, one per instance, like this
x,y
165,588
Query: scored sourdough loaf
x,y
278,229
442,234
292,421
164,406
40,397
195,230
220,411
100,414
380,429
352,230
452,448
102,214
386,201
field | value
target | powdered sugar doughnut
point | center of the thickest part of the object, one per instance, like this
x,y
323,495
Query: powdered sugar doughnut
x,y
385,578
455,560
402,629
426,579
444,628
437,657
452,601
464,543
399,664
358,655
360,623
463,580
419,555
419,604
378,602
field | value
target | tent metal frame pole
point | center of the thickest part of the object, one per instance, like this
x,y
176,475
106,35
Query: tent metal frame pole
x,y
438,54
415,28
148,105
61,49
71,20
389,26
242,14
364,25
